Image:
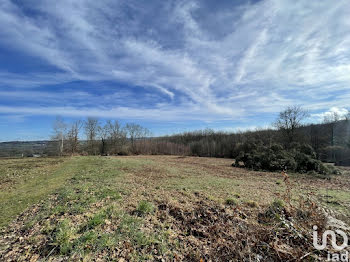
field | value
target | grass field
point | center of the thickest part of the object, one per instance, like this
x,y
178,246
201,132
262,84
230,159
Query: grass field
x,y
159,207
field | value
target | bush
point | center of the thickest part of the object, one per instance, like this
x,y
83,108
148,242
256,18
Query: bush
x,y
123,153
308,150
299,158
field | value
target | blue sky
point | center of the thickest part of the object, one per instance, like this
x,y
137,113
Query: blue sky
x,y
171,66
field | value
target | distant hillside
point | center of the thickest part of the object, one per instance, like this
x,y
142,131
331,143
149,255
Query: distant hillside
x,y
27,148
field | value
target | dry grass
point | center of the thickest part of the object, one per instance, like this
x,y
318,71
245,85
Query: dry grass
x,y
165,207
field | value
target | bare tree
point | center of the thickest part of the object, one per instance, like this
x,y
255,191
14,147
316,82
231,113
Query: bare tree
x,y
104,135
73,136
332,118
144,138
134,132
117,135
347,116
290,120
59,129
91,129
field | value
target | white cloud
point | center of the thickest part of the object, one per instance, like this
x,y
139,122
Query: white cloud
x,y
334,113
162,114
261,58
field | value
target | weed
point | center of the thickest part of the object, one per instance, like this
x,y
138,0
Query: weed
x,y
278,204
47,228
106,241
231,202
63,236
94,221
108,193
144,207
128,224
59,209
288,193
274,212
87,239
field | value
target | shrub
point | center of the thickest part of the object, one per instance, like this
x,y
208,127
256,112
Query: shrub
x,y
308,150
312,173
298,158
123,153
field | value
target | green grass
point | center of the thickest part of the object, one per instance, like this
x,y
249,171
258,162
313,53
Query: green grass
x,y
87,188
338,200
37,186
66,178
62,237
144,207
97,205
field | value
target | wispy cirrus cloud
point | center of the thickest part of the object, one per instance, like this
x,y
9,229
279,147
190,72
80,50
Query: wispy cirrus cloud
x,y
194,60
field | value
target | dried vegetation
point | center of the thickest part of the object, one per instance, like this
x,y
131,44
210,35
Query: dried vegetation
x,y
171,209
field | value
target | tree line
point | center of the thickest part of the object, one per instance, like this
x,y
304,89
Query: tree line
x,y
330,140
91,137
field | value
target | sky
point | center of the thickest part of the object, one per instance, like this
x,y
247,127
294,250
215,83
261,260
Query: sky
x,y
171,66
